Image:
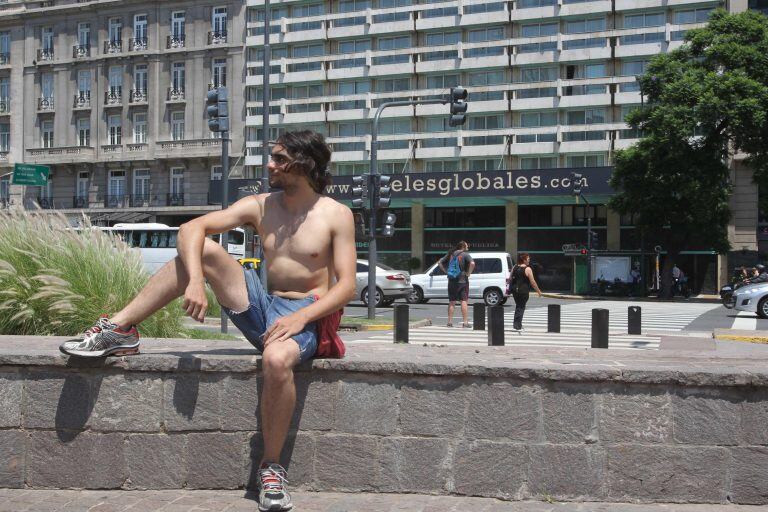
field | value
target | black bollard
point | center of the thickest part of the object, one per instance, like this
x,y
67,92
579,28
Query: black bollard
x,y
634,317
599,328
478,316
496,326
553,318
401,323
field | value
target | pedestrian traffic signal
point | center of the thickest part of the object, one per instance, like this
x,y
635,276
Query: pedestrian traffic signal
x,y
387,224
359,191
217,109
382,191
458,106
576,183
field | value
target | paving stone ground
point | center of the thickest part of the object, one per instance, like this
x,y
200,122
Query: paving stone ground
x,y
22,500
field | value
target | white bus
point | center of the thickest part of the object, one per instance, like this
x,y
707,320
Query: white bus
x,y
157,242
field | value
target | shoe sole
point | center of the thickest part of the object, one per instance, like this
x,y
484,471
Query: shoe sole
x,y
121,350
276,508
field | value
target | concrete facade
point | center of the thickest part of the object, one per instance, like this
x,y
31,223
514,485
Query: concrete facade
x,y
111,95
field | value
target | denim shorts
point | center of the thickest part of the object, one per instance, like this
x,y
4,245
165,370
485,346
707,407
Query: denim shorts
x,y
264,309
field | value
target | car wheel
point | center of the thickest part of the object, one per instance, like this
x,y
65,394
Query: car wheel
x,y
388,302
416,296
762,308
379,297
492,297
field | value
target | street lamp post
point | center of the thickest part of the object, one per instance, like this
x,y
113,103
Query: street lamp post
x,y
266,154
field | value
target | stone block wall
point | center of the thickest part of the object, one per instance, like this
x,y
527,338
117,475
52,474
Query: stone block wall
x,y
481,435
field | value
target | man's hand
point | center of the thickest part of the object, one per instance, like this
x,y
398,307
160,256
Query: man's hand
x,y
195,302
284,328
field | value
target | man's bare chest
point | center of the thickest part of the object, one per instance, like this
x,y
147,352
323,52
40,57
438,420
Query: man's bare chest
x,y
297,238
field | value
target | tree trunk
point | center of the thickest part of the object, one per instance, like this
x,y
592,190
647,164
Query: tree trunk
x,y
667,282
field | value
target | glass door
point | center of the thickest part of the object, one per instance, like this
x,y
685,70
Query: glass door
x,y
140,187
116,188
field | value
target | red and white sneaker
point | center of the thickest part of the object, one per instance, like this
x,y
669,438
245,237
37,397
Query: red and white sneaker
x,y
273,496
103,339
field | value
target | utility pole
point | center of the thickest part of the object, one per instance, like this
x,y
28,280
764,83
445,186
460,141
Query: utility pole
x,y
576,190
266,153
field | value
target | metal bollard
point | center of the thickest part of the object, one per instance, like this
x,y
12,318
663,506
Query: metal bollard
x,y
401,323
634,317
496,326
478,316
599,328
553,318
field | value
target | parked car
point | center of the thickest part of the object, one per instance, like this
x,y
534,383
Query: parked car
x,y
391,284
488,281
753,298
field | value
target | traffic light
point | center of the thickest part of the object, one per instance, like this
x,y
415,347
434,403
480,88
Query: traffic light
x,y
387,224
576,183
217,109
458,106
593,239
359,191
381,190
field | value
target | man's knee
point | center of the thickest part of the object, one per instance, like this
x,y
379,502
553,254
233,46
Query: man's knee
x,y
280,360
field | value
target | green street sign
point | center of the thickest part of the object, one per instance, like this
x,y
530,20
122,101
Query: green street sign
x,y
28,174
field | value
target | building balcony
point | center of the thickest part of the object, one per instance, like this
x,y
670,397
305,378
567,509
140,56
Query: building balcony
x,y
5,106
175,94
45,55
5,59
137,96
137,148
82,100
175,42
112,47
175,199
117,201
45,104
217,37
192,148
113,97
47,203
138,45
81,51
62,154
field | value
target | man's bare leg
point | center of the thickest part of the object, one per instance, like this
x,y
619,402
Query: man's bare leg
x,y
223,273
451,306
465,311
278,396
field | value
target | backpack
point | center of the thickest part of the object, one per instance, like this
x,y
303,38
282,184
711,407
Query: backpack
x,y
454,267
517,282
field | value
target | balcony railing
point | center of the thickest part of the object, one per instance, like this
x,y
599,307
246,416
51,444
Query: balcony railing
x,y
113,96
175,199
46,203
5,58
217,37
45,104
80,202
137,96
213,86
175,94
117,201
113,47
80,51
138,45
175,42
139,200
45,55
5,106
82,100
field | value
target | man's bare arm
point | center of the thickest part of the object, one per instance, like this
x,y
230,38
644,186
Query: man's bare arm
x,y
190,247
342,291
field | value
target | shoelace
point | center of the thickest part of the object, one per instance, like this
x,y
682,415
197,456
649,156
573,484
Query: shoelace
x,y
272,480
103,323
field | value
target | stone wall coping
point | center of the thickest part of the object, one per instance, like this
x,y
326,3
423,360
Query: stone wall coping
x,y
707,368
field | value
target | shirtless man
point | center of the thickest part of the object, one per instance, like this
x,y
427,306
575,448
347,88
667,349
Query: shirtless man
x,y
309,248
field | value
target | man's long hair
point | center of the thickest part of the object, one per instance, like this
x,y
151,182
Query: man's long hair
x,y
311,154
461,246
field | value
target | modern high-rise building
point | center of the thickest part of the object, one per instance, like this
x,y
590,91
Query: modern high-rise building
x,y
550,82
111,96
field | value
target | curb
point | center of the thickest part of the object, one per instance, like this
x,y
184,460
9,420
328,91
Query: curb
x,y
704,299
383,327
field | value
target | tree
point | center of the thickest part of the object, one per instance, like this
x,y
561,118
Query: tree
x,y
704,102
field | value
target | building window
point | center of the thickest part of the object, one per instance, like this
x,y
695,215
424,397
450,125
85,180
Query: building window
x,y
216,172
597,160
84,35
538,162
141,186
647,19
219,72
441,166
177,181
83,184
483,165
116,187
692,16
115,128
587,116
581,26
540,29
5,137
219,21
46,130
177,125
115,81
140,31
178,25
393,84
539,74
178,77
84,132
140,78
84,84
47,39
486,78
140,128
46,86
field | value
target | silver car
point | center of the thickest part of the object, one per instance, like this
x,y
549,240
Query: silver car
x,y
391,284
753,298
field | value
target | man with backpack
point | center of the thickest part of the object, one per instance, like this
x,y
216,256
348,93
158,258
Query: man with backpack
x,y
458,266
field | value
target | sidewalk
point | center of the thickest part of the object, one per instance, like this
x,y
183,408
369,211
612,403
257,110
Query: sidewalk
x,y
236,501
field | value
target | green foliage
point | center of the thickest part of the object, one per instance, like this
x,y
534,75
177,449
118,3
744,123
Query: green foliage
x,y
58,281
704,102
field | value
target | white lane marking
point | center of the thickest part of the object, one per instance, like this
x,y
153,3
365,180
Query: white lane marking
x,y
745,321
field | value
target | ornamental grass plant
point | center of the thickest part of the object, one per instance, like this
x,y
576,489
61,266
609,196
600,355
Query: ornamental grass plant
x,y
55,280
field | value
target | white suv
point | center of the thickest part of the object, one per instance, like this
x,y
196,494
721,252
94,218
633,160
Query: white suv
x,y
488,281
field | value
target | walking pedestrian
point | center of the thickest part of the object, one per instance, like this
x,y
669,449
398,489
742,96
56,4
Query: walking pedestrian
x,y
521,281
458,266
309,246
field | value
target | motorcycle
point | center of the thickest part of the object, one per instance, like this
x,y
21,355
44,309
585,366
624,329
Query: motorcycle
x,y
727,291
